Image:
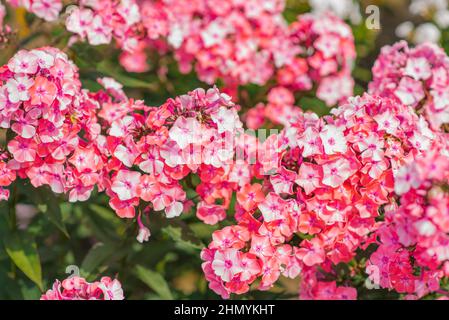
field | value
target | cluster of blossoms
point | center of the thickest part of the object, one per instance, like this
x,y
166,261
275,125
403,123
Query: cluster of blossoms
x,y
325,53
51,121
331,178
77,288
306,199
233,41
413,255
130,151
101,21
238,42
374,172
143,152
279,109
417,77
151,151
48,10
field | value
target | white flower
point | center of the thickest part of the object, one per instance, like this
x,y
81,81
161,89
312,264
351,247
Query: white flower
x,y
144,234
418,68
18,88
427,32
405,29
226,119
185,131
333,139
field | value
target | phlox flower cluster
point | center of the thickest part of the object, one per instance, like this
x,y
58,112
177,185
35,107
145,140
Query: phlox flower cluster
x,y
73,140
375,172
279,109
99,22
48,10
413,256
238,42
150,150
234,41
314,288
322,199
51,123
77,288
325,54
417,77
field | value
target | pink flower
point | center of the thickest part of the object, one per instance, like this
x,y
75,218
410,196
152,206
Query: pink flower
x,y
336,172
387,122
125,183
209,213
372,148
147,188
43,91
46,9
272,207
333,140
414,76
99,32
112,289
333,89
310,142
226,120
226,264
25,125
418,68
406,178
7,176
23,62
77,288
144,235
250,195
309,177
23,150
135,61
185,131
330,291
250,267
410,91
18,88
311,253
79,20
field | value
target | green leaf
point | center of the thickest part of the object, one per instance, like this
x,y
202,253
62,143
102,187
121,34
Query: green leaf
x,y
315,105
106,225
183,236
155,281
22,250
29,293
48,204
54,214
107,68
95,257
